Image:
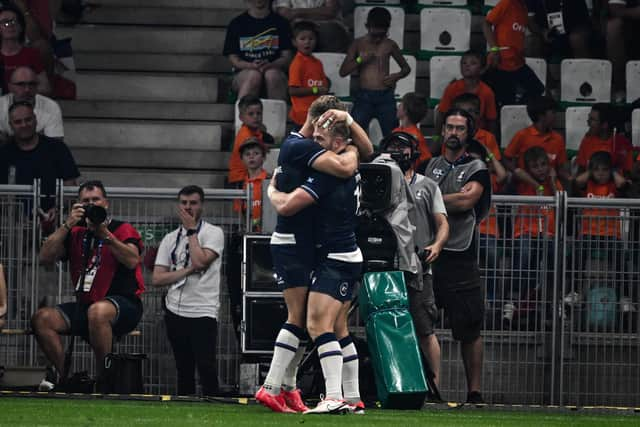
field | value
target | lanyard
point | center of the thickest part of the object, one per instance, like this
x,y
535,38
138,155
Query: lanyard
x,y
86,248
174,259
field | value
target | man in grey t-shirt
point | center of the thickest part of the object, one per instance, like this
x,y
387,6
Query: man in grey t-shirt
x,y
431,233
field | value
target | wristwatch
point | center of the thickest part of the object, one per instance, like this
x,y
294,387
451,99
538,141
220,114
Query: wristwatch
x,y
191,232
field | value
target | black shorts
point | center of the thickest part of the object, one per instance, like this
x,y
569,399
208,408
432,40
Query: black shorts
x,y
422,306
128,314
292,265
465,310
337,279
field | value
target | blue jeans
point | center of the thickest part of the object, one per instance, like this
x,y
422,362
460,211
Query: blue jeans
x,y
379,104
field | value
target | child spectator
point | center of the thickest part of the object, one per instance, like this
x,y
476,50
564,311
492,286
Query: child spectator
x,y
411,111
600,228
250,108
307,80
333,34
506,53
602,136
539,134
253,152
534,227
471,67
369,56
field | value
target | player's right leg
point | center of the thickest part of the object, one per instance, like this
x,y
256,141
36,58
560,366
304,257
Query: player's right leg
x,y
350,362
292,266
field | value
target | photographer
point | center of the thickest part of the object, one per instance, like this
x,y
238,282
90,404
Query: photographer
x,y
431,233
104,261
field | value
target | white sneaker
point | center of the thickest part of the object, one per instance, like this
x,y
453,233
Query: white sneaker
x,y
507,311
45,385
572,298
330,406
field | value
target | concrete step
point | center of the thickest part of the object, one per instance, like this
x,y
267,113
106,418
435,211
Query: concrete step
x,y
170,16
122,177
213,113
197,4
138,134
155,62
150,158
123,38
147,87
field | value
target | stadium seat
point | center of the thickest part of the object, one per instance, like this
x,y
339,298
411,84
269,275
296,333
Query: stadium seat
x,y
635,127
512,119
274,117
442,3
396,32
576,126
632,78
442,70
375,132
539,66
444,30
331,63
585,81
407,84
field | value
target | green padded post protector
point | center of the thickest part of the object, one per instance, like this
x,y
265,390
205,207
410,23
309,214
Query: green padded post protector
x,y
395,355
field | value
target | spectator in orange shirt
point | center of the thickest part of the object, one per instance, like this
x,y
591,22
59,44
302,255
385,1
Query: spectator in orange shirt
x,y
253,152
539,134
488,228
472,65
411,110
250,108
307,80
602,136
534,229
600,228
508,69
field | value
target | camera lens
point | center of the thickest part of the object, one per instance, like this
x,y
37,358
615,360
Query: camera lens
x,y
96,214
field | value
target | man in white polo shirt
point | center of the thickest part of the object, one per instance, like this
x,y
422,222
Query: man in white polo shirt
x,y
189,262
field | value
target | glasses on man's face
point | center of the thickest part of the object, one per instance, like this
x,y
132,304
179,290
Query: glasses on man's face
x,y
8,23
25,85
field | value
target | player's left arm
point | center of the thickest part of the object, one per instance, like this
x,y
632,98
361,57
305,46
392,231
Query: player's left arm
x,y
288,204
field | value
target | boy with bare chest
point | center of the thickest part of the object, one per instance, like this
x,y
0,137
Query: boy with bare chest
x,y
369,57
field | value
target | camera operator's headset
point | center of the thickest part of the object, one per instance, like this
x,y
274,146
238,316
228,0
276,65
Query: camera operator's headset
x,y
405,138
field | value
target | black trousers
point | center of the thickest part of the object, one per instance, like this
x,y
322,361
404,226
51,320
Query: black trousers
x,y
194,343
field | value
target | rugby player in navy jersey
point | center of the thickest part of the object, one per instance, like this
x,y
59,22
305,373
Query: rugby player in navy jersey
x,y
336,274
293,242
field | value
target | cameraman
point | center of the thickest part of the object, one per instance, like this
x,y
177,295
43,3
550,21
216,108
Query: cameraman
x,y
431,233
104,261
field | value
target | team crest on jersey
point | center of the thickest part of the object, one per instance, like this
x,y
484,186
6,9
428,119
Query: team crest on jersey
x,y
310,180
279,279
437,172
344,287
460,177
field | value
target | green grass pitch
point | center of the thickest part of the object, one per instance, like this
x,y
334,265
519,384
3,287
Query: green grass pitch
x,y
68,412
